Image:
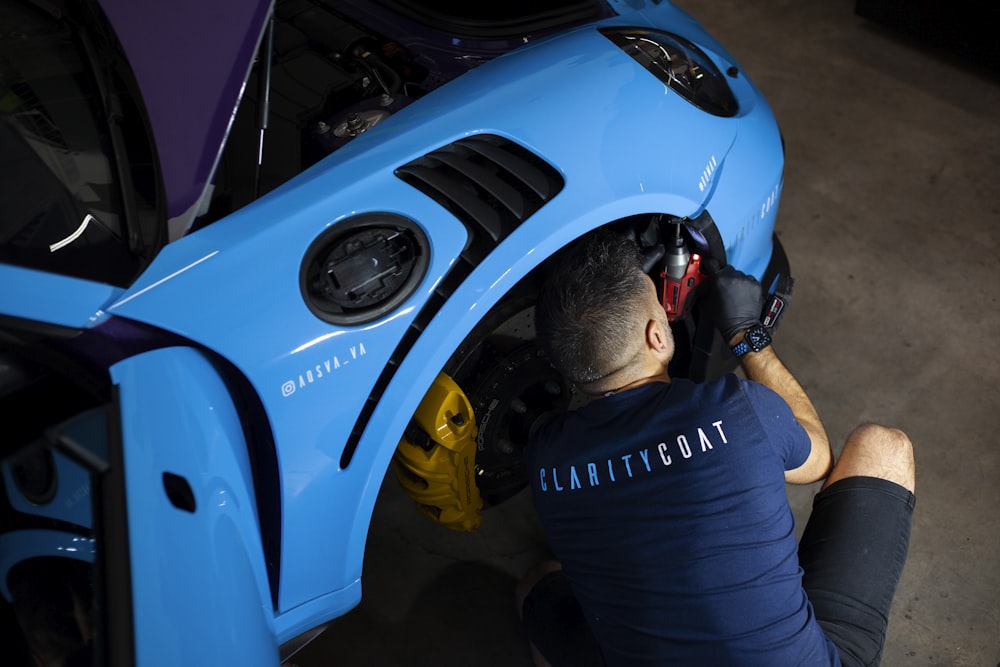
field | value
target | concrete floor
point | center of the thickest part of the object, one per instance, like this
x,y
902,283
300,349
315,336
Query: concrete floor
x,y
891,218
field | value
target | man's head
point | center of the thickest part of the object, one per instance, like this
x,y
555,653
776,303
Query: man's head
x,y
598,317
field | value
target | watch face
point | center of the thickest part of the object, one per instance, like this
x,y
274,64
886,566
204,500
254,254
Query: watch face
x,y
758,338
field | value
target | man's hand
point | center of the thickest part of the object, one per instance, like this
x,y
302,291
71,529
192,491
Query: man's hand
x,y
738,302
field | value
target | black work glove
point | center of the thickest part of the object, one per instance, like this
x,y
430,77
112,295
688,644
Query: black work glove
x,y
738,302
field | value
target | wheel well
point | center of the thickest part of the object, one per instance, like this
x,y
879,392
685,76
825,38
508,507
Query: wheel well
x,y
508,380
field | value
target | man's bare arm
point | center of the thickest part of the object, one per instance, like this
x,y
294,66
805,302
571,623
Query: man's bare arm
x,y
766,368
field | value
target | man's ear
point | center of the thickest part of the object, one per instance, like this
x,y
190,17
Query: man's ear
x,y
658,340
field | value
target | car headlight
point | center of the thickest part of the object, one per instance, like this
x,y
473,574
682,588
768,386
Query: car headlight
x,y
679,64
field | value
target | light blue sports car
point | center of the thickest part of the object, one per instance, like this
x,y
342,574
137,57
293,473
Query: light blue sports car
x,y
253,253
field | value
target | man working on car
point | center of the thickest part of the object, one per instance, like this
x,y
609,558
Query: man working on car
x,y
664,500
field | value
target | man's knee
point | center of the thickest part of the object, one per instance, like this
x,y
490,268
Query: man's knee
x,y
872,450
891,440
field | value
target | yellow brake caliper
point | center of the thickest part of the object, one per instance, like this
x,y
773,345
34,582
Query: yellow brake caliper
x,y
435,462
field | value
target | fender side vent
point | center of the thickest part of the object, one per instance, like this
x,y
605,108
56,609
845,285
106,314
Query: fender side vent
x,y
492,185
489,183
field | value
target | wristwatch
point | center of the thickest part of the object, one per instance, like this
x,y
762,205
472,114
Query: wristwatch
x,y
755,339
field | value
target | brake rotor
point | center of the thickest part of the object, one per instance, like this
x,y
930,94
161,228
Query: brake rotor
x,y
518,389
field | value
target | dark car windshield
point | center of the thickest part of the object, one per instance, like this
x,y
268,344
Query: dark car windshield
x,y
62,208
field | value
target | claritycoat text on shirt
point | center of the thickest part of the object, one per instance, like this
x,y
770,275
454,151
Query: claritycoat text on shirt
x,y
609,471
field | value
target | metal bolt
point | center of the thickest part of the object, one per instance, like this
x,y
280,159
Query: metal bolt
x,y
355,123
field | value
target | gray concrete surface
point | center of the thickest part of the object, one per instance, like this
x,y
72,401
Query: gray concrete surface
x,y
891,218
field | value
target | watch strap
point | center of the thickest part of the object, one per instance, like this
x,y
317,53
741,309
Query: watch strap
x,y
756,338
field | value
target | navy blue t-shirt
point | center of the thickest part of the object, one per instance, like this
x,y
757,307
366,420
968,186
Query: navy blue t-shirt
x,y
666,506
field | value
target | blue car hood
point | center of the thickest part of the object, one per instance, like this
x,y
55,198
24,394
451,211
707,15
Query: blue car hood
x,y
191,59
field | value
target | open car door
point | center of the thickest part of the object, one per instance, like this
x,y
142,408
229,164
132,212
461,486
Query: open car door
x,y
128,530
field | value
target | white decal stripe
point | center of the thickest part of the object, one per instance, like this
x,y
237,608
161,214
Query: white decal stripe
x,y
164,279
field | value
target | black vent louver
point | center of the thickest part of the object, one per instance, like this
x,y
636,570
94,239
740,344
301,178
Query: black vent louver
x,y
489,183
492,185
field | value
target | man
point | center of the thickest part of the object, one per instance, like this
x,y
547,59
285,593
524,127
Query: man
x,y
664,500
